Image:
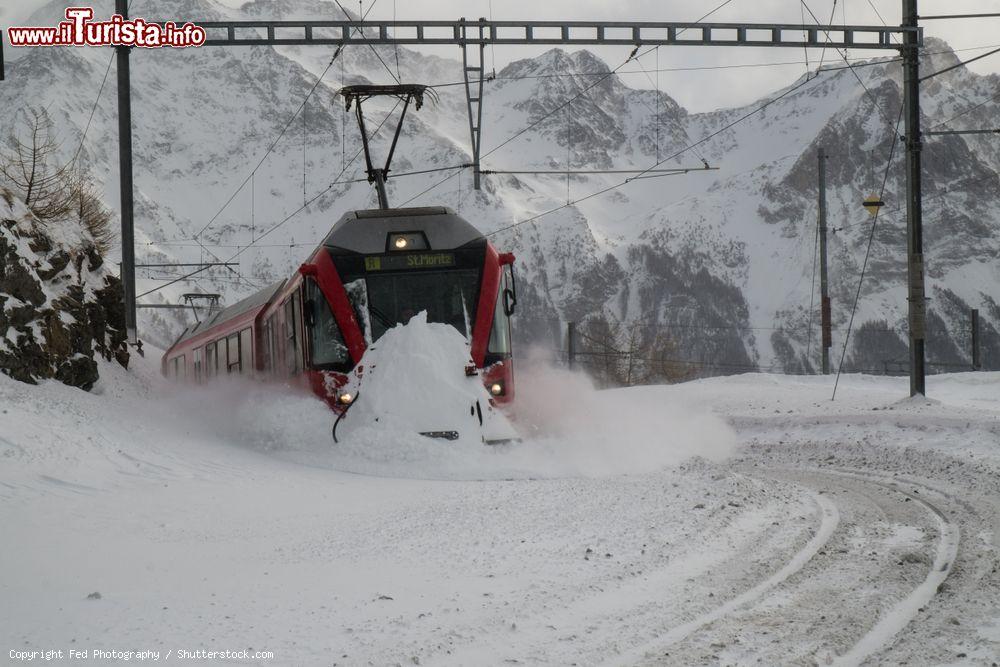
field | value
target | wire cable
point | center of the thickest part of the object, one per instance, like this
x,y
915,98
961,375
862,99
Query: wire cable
x,y
843,55
758,109
361,32
864,265
274,143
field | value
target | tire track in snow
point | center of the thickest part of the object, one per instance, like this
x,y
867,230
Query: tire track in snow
x,y
829,520
890,623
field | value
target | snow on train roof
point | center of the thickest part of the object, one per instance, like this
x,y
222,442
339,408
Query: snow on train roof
x,y
365,231
255,300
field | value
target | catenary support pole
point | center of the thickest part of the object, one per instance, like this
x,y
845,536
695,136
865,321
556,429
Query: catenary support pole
x,y
474,73
914,213
570,344
825,311
125,173
977,362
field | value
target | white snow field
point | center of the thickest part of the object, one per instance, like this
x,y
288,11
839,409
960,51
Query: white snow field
x,y
740,520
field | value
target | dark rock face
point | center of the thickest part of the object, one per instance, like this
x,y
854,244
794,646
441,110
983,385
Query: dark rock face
x,y
58,309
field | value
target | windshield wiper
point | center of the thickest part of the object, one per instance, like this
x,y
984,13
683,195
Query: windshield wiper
x,y
380,316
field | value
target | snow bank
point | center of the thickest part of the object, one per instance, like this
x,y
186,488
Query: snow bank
x,y
413,380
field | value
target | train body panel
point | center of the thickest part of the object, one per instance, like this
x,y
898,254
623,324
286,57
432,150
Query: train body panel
x,y
374,269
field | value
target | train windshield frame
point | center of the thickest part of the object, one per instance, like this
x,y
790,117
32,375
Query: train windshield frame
x,y
384,299
327,349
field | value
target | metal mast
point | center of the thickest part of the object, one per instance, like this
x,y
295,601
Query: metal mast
x,y
125,171
914,213
825,325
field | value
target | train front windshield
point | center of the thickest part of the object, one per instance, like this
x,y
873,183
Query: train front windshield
x,y
384,300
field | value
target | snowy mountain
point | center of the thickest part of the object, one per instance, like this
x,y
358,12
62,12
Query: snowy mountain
x,y
722,261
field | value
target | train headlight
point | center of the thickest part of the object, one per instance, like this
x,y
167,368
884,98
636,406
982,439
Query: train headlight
x,y
346,398
496,388
406,242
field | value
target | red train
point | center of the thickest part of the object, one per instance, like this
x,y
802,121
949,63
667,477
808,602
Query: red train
x,y
375,269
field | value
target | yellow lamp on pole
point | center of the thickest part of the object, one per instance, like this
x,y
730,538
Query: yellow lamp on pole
x,y
872,204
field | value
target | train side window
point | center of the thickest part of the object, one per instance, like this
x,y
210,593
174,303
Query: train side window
x,y
326,343
265,348
246,352
233,356
210,360
197,365
292,334
180,369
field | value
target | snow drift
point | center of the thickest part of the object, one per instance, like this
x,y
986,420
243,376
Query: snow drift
x,y
413,380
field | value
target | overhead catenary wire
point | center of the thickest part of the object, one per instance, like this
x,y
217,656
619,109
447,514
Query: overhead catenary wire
x,y
93,109
958,64
273,144
361,32
604,75
678,153
317,195
642,174
843,55
853,62
97,99
864,265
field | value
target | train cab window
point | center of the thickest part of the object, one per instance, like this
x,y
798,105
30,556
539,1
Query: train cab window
x,y
357,294
246,352
233,348
326,343
448,297
500,333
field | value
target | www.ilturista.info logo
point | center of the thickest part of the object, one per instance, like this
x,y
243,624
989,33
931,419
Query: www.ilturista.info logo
x,y
79,30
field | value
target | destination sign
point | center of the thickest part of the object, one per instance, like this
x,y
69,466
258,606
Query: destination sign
x,y
433,260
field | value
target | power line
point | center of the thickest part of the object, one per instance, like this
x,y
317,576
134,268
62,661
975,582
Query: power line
x,y
958,64
93,109
843,55
274,143
97,99
853,62
758,109
606,75
361,32
549,113
871,237
172,282
320,193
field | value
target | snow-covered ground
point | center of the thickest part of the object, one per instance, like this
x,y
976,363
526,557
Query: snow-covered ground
x,y
740,520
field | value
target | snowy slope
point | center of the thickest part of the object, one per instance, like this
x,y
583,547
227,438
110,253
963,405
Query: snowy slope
x,y
721,260
231,522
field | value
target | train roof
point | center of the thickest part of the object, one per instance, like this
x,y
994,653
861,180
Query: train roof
x,y
365,232
242,306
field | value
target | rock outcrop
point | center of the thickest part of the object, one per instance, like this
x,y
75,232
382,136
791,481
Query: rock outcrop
x,y
59,306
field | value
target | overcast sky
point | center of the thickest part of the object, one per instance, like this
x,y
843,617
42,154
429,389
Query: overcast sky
x,y
695,90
